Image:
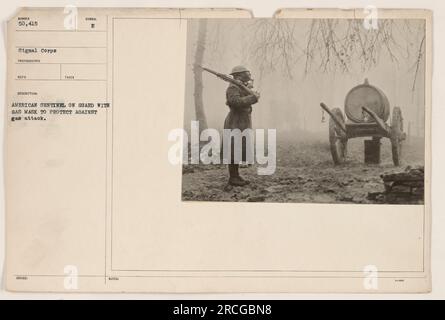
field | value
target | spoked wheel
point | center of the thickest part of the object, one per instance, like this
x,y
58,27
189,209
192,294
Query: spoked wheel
x,y
397,135
337,138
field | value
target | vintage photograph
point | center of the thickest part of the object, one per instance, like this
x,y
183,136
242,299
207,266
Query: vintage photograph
x,y
305,110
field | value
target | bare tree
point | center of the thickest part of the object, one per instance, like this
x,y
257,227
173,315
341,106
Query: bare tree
x,y
197,71
333,45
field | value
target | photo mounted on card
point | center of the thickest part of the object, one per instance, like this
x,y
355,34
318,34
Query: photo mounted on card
x,y
205,150
305,110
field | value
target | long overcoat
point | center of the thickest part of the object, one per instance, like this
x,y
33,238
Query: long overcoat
x,y
240,104
240,114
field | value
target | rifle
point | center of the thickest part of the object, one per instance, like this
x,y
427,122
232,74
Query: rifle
x,y
231,80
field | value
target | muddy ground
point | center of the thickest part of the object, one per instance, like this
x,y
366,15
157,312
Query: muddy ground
x,y
305,173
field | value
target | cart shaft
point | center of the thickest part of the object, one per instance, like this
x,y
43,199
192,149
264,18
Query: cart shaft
x,y
339,123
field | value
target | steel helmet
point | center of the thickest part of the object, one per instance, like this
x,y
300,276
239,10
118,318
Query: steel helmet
x,y
239,69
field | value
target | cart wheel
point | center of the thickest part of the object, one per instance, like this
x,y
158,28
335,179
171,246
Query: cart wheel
x,y
337,139
396,135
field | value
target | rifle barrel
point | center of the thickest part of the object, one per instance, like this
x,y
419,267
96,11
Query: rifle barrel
x,y
228,79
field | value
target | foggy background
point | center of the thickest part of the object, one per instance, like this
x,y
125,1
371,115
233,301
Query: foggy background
x,y
296,64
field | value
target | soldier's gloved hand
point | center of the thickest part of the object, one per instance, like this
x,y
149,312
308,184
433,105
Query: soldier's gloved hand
x,y
257,95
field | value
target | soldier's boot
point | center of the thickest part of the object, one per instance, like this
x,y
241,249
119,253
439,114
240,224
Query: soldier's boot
x,y
235,179
239,177
243,180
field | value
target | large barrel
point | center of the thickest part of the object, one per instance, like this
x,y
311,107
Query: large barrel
x,y
366,95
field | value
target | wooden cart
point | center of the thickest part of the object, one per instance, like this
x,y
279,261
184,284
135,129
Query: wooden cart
x,y
367,111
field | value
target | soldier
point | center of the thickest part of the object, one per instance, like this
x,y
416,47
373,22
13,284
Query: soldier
x,y
239,117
